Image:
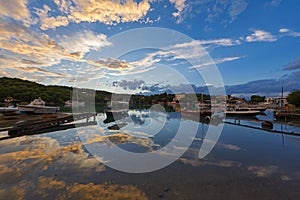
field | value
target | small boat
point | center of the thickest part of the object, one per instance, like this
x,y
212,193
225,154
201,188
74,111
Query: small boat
x,y
242,112
251,107
282,114
37,106
259,108
70,103
8,111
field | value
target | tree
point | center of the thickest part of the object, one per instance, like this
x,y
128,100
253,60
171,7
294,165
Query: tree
x,y
294,98
257,99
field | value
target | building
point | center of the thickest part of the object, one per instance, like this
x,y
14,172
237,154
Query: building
x,y
178,97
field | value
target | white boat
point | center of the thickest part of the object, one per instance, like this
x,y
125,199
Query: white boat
x,y
70,103
250,107
11,110
37,106
243,112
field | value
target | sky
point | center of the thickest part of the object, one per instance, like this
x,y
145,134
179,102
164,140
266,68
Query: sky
x,y
151,46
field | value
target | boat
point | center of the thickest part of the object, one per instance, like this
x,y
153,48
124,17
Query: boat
x,y
286,110
282,114
259,108
37,106
70,103
250,107
8,111
242,112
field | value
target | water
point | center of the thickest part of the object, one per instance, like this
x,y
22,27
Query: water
x,y
244,164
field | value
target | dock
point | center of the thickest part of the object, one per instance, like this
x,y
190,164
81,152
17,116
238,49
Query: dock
x,y
47,123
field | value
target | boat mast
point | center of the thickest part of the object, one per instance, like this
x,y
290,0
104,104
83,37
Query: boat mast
x,y
201,101
281,99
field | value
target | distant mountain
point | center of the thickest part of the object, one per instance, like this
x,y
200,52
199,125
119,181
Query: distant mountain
x,y
23,90
267,87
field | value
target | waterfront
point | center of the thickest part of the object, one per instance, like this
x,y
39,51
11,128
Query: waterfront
x,y
244,164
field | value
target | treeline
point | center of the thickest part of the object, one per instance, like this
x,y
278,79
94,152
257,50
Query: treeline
x,y
26,91
294,98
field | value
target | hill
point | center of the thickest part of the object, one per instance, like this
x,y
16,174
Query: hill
x,y
26,91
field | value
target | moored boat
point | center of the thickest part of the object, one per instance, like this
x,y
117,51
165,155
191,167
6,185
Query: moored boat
x,y
282,114
7,111
242,112
37,106
70,103
259,108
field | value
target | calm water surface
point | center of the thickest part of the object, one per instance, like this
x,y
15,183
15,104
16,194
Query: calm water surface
x,y
244,164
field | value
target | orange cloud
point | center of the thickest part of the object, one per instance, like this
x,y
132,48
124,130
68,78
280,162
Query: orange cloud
x,y
50,188
16,9
48,22
23,159
104,11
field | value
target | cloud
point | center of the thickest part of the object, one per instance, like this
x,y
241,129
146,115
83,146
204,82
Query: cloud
x,y
231,147
43,187
20,157
46,185
179,5
188,50
273,3
263,171
43,71
16,9
220,42
48,22
112,64
236,8
293,65
271,86
43,153
216,61
30,62
84,41
104,11
63,5
284,30
289,32
222,163
130,85
261,36
20,42
227,9
29,51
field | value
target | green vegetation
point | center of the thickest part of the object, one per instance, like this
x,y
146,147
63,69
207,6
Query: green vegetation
x,y
256,99
26,91
294,98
